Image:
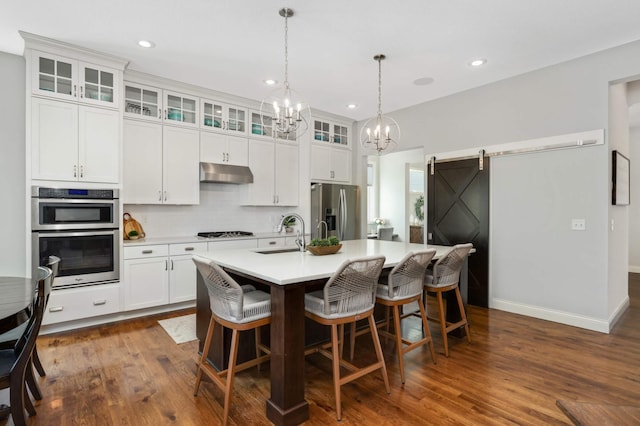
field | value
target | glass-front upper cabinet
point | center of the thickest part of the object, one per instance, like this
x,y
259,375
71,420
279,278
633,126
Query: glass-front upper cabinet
x,y
340,134
142,102
98,85
222,117
63,78
260,124
321,131
180,109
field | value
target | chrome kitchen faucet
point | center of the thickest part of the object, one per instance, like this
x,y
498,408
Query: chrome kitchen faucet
x,y
300,242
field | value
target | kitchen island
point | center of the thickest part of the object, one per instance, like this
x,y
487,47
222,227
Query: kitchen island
x,y
289,275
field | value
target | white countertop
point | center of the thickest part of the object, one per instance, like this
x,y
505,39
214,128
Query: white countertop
x,y
195,239
293,267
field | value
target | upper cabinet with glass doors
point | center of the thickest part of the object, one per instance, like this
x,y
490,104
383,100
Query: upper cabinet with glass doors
x,y
181,109
260,125
63,78
333,133
142,102
221,117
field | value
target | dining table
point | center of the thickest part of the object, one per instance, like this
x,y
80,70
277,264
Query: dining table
x,y
16,296
289,274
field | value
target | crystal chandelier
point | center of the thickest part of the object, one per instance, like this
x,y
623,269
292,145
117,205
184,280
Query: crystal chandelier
x,y
283,111
380,133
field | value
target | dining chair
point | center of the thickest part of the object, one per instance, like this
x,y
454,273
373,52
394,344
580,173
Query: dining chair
x,y
348,296
53,264
385,234
15,361
444,277
235,307
402,286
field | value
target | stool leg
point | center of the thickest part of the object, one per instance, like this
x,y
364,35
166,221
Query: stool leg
x,y
463,314
352,340
378,347
205,351
427,332
257,332
231,371
443,323
336,370
398,334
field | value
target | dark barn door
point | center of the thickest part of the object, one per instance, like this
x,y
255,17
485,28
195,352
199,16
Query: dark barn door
x,y
458,212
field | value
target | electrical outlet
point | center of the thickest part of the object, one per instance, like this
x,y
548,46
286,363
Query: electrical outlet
x,y
578,224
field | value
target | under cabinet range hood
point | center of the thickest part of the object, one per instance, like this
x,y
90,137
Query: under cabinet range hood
x,y
225,173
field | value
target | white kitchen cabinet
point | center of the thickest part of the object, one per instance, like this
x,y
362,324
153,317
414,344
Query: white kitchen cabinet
x,y
330,164
71,142
260,127
160,164
180,109
70,79
275,168
331,132
82,302
224,149
142,102
160,274
232,244
222,117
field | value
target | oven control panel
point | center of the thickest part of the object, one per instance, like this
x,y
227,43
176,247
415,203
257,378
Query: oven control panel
x,y
102,194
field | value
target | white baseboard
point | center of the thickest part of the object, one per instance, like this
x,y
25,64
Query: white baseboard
x,y
634,269
617,313
561,317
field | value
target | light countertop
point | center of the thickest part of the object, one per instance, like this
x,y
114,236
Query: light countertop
x,y
195,239
296,266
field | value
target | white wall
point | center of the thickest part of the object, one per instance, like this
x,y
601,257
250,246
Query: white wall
x,y
618,288
12,165
634,207
571,97
393,189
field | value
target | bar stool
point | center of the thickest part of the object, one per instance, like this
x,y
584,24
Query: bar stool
x,y
446,277
405,285
238,308
348,296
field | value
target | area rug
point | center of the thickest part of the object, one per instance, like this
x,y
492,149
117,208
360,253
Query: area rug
x,y
180,329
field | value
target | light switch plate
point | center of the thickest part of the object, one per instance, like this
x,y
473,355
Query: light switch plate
x,y
578,224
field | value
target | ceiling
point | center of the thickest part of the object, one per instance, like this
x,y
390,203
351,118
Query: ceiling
x,y
233,46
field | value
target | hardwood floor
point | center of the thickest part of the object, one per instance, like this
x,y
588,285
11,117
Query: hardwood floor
x,y
132,373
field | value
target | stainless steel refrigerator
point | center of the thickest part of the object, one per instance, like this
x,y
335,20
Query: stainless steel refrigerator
x,y
339,207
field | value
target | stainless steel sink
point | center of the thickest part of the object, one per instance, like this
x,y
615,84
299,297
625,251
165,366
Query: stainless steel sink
x,y
284,250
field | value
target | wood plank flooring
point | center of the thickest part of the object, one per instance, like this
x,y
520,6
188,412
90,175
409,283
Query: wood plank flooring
x,y
132,373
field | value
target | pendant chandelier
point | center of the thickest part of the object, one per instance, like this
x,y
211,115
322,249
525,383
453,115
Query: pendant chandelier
x,y
283,112
380,133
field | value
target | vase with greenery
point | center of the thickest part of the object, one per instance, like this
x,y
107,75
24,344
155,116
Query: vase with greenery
x,y
288,223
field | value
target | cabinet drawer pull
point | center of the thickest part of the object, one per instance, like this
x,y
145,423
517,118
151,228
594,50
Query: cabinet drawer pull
x,y
272,243
81,92
147,251
188,249
56,309
99,302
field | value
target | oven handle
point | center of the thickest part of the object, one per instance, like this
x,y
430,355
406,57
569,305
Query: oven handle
x,y
55,234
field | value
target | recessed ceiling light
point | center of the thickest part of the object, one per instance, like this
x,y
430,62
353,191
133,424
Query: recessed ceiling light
x,y
423,81
478,62
270,82
352,106
146,44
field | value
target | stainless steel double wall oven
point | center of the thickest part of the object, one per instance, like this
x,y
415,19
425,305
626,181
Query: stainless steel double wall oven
x,y
81,227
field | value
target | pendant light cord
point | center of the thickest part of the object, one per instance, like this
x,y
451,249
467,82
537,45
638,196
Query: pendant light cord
x,y
286,49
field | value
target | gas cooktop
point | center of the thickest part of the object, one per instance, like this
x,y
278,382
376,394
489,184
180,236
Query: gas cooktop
x,y
225,234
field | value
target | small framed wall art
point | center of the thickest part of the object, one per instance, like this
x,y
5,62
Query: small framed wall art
x,y
621,180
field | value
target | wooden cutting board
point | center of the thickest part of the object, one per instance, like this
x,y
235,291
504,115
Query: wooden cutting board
x,y
130,224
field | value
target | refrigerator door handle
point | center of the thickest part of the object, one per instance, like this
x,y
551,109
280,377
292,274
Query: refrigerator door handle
x,y
343,214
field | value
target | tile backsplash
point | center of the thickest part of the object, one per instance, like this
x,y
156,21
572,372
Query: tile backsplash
x,y
220,209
